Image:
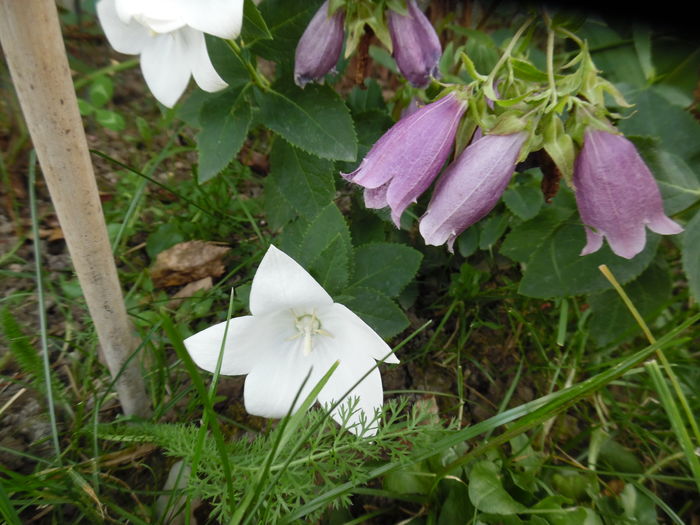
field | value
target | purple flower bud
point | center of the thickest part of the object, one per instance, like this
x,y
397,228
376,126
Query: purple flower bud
x,y
319,47
617,195
417,48
405,160
470,187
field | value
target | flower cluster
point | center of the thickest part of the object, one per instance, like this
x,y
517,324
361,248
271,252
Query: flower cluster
x,y
169,37
415,44
296,329
615,191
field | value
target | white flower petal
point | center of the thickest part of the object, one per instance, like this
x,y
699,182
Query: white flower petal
x,y
248,339
202,69
369,393
352,336
128,38
222,18
281,283
161,16
165,67
127,9
275,380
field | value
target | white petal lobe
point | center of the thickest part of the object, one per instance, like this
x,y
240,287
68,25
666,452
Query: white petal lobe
x,y
165,67
281,283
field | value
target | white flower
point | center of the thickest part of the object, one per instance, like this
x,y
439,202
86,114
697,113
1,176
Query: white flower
x,y
296,327
169,36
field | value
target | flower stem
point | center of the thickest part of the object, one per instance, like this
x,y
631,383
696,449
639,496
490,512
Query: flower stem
x,y
550,65
113,68
505,56
258,79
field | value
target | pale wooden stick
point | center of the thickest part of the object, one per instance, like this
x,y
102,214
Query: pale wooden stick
x,y
31,39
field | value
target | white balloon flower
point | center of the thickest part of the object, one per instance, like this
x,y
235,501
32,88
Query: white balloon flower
x,y
169,37
296,328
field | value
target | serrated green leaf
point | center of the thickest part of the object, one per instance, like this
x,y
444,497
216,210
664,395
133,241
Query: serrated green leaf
x,y
612,321
387,267
679,184
523,239
491,228
278,209
225,120
225,62
677,129
306,181
376,309
332,267
316,249
486,491
314,119
691,255
286,21
254,27
524,200
557,270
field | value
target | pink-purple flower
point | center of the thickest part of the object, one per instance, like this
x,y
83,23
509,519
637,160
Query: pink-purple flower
x,y
617,195
320,46
416,46
407,158
470,187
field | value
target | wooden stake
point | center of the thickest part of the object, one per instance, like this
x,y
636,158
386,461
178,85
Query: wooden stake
x,y
31,39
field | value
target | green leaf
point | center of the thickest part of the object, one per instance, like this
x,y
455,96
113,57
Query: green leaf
x,y
254,27
314,119
677,129
679,184
101,91
468,242
456,505
491,229
278,210
691,255
524,239
486,491
524,200
306,181
376,309
227,64
325,249
167,235
611,320
557,270
386,267
225,120
412,479
286,20
110,119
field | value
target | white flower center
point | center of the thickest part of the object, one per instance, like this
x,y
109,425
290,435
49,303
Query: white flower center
x,y
308,326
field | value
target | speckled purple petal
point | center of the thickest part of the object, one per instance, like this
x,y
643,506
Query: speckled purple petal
x,y
319,47
470,187
617,195
417,48
415,148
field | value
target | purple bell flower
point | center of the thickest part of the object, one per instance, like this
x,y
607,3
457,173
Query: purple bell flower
x,y
320,46
407,158
416,46
470,187
617,195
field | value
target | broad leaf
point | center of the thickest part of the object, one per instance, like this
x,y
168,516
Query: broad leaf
x,y
387,267
486,491
376,309
691,255
611,320
557,269
314,119
225,120
254,27
305,180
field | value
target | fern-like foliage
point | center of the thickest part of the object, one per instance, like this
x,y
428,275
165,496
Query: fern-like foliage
x,y
309,464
